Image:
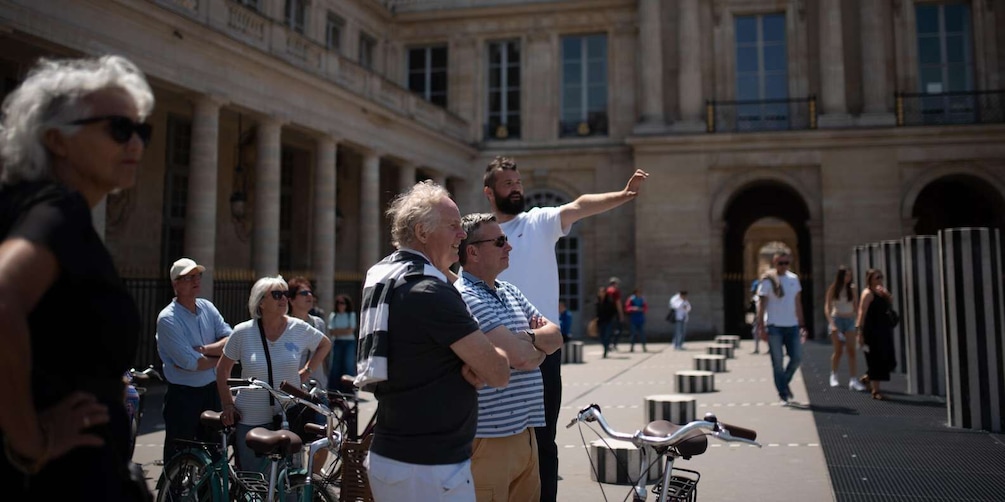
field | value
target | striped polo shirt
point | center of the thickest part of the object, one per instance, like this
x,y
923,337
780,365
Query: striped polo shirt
x,y
508,410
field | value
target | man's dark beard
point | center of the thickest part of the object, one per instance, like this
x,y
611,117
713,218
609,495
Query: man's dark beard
x,y
507,206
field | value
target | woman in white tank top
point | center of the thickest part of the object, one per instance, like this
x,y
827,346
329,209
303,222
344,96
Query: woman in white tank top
x,y
840,308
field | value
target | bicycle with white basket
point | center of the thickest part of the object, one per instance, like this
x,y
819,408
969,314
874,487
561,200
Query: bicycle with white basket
x,y
662,439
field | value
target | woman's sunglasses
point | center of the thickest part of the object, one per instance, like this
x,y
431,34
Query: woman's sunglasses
x,y
498,241
121,128
280,294
305,292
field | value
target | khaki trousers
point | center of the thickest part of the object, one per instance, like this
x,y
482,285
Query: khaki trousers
x,y
505,469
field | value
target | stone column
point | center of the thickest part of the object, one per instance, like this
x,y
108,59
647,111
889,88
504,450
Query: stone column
x,y
406,177
201,206
324,223
832,84
875,25
689,77
265,236
439,178
974,327
923,318
369,210
651,66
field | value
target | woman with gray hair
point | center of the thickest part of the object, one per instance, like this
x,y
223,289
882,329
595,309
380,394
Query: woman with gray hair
x,y
270,337
71,133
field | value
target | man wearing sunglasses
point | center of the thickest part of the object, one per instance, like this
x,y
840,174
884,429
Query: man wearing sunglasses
x,y
780,321
190,337
505,460
533,235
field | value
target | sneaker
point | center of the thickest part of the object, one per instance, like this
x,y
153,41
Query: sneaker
x,y
855,385
834,380
784,403
755,352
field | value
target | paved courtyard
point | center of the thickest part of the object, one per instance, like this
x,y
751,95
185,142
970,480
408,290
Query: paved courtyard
x,y
839,445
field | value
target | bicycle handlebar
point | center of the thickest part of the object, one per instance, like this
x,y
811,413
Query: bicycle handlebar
x,y
719,430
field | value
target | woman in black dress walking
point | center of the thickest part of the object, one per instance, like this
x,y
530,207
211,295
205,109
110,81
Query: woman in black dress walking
x,y
876,332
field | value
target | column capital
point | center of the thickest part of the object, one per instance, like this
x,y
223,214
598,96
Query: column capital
x,y
211,99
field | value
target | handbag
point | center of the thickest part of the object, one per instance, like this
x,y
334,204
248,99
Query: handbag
x,y
672,316
893,318
298,415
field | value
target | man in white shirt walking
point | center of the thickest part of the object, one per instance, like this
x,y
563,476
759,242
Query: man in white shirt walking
x,y
780,321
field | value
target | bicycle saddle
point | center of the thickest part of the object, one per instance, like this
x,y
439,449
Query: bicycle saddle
x,y
265,442
211,419
693,443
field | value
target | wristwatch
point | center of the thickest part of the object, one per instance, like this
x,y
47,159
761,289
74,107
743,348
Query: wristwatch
x,y
533,337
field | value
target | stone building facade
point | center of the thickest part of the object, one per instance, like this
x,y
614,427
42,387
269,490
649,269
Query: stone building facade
x,y
283,128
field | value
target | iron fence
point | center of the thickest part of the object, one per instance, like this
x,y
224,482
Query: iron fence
x,y
761,115
229,296
949,108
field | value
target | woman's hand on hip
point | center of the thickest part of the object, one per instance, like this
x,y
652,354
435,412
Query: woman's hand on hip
x,y
68,420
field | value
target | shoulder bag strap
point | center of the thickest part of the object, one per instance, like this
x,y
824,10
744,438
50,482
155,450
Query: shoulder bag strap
x,y
268,358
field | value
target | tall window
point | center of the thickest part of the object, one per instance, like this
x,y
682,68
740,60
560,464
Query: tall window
x,y
296,15
761,72
427,73
334,26
367,45
504,90
584,85
945,62
179,142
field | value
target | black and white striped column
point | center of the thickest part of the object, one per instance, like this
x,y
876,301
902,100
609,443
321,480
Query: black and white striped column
x,y
861,261
619,463
675,408
889,258
974,323
695,381
922,317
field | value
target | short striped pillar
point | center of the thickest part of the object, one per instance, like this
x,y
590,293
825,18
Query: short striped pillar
x,y
926,346
619,462
695,381
675,408
974,323
889,259
722,349
572,353
710,362
733,339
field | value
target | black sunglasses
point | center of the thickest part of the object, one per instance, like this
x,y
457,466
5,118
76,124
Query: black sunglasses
x,y
498,241
305,292
279,294
783,263
121,128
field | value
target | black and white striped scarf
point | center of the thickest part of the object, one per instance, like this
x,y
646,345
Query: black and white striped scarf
x,y
381,280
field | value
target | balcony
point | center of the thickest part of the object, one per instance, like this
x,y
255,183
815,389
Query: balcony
x,y
761,115
596,124
950,108
254,28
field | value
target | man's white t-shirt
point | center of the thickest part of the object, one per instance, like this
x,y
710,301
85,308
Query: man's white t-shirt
x,y
533,267
781,311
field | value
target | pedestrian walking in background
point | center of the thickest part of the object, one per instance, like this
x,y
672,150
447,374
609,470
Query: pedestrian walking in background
x,y
875,326
342,324
636,308
780,321
607,317
564,321
681,308
840,308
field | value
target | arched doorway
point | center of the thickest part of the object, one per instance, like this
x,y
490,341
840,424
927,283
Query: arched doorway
x,y
958,200
763,213
567,253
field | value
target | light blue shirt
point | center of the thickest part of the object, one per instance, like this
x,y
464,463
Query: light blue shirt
x,y
179,332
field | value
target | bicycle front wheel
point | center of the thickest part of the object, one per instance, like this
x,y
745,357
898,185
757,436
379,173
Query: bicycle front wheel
x,y
321,489
185,478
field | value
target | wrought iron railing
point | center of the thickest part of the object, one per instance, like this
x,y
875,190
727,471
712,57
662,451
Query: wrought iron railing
x,y
596,124
948,108
230,296
761,115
